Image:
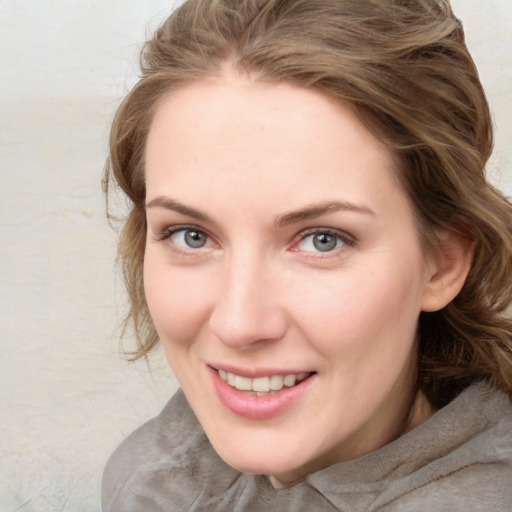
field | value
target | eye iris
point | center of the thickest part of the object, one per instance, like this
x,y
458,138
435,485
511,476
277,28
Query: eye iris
x,y
324,242
195,239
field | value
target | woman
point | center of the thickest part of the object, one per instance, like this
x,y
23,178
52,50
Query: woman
x,y
313,242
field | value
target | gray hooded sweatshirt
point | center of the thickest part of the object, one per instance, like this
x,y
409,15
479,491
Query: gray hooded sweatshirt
x,y
458,460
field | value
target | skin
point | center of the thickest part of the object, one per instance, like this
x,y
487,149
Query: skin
x,y
259,295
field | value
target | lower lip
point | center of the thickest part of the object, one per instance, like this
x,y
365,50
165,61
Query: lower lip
x,y
258,407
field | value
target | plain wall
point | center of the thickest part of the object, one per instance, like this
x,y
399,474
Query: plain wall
x,y
67,397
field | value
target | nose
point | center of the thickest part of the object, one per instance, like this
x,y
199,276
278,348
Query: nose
x,y
248,310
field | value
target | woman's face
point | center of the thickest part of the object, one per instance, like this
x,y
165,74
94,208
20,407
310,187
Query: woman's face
x,y
283,257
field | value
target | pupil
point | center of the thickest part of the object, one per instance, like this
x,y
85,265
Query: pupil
x,y
324,242
195,239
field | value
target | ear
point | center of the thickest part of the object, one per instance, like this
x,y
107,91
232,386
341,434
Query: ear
x,y
447,269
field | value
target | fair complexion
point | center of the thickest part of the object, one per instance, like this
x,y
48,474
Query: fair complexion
x,y
280,244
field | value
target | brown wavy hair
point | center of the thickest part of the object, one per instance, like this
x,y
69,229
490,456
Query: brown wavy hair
x,y
403,67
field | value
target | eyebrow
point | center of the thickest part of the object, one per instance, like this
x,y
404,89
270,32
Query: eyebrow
x,y
317,210
307,213
171,204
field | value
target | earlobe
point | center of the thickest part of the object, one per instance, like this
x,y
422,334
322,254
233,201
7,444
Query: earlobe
x,y
447,270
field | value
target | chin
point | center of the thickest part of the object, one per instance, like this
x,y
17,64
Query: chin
x,y
263,460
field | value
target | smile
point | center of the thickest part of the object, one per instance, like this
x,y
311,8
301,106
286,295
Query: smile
x,y
262,386
262,397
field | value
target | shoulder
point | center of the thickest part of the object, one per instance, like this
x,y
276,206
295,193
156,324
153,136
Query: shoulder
x,y
161,462
465,454
460,460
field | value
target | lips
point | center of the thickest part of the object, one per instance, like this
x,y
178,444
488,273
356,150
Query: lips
x,y
254,398
262,385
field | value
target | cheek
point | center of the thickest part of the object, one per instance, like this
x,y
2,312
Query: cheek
x,y
177,301
361,310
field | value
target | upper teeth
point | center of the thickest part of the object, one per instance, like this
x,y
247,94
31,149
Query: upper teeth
x,y
261,384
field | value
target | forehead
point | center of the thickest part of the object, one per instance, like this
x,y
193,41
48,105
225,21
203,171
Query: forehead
x,y
224,108
231,133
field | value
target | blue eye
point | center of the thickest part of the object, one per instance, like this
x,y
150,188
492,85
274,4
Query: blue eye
x,y
322,241
189,238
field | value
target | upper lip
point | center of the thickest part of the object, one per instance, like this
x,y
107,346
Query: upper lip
x,y
254,373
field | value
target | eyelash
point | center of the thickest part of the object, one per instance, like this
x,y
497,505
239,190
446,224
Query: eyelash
x,y
344,238
167,233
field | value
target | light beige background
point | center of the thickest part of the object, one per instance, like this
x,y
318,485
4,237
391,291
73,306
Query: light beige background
x,y
66,395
